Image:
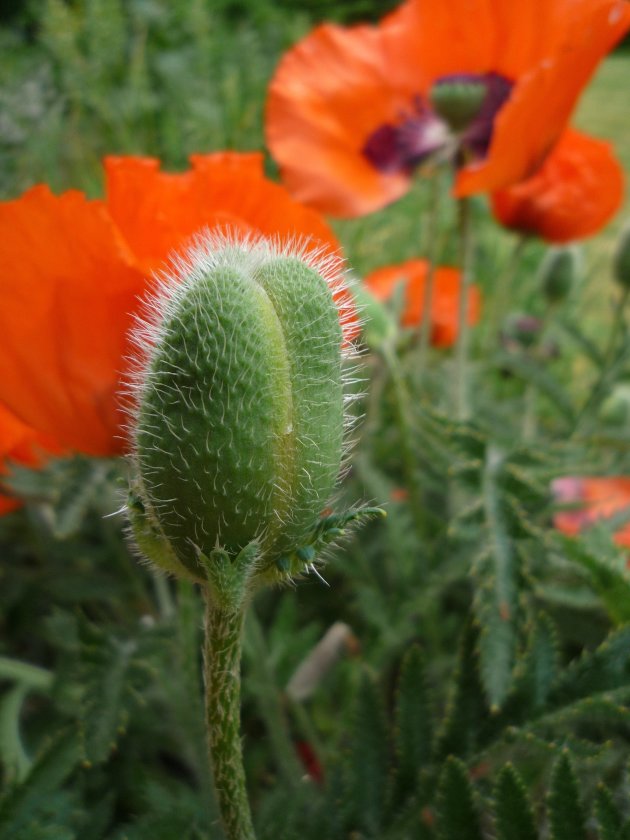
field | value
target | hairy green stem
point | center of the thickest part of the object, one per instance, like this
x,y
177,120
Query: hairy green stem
x,y
462,405
499,302
222,672
431,256
529,427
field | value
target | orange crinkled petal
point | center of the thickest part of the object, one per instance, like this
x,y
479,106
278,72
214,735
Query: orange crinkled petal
x,y
501,36
329,93
540,105
573,195
69,286
158,212
446,294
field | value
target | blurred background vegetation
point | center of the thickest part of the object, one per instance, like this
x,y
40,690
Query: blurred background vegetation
x,y
113,655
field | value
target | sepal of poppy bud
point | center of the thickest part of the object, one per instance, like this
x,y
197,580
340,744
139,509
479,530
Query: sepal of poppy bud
x,y
147,536
558,273
621,264
458,101
328,530
238,418
229,577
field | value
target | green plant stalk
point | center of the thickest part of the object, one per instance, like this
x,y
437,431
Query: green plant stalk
x,y
462,404
32,676
530,414
15,759
529,429
222,673
431,256
499,302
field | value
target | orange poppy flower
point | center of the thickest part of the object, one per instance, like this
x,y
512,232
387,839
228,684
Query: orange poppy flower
x,y
595,499
575,192
445,303
352,111
73,271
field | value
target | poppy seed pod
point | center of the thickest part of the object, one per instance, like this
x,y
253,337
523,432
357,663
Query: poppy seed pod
x,y
458,99
238,418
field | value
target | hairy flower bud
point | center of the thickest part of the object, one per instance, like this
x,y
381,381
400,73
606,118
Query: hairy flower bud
x,y
621,265
558,273
239,407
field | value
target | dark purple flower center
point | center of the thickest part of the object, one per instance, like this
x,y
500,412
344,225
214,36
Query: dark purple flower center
x,y
459,115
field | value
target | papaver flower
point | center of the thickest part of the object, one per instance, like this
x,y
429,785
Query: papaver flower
x,y
575,192
352,111
73,272
445,300
591,500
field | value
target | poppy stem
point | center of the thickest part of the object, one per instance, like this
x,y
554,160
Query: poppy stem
x,y
222,673
498,304
431,257
529,428
462,407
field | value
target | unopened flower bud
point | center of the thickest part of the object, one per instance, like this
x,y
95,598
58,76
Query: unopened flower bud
x,y
615,409
621,265
239,407
558,273
520,332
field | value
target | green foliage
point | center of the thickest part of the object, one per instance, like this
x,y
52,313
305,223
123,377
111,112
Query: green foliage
x,y
607,568
367,763
565,811
514,815
608,817
466,706
456,814
414,719
28,809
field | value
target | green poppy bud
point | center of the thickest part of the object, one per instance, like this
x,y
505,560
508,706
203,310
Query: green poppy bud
x,y
615,409
238,425
621,265
558,273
